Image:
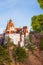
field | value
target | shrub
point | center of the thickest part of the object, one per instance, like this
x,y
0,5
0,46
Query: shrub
x,y
19,54
4,55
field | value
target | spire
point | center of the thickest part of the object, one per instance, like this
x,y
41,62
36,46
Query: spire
x,y
10,20
10,23
10,26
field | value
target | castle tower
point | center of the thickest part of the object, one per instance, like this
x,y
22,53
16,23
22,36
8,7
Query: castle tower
x,y
25,30
10,29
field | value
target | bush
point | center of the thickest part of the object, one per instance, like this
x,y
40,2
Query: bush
x,y
4,55
19,54
29,45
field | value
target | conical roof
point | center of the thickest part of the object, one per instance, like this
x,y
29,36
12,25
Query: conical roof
x,y
10,24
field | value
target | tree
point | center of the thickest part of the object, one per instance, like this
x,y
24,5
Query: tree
x,y
37,23
4,56
19,54
40,3
8,46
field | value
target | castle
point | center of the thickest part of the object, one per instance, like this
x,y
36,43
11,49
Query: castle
x,y
16,34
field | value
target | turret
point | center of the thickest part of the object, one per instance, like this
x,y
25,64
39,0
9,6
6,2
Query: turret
x,y
10,29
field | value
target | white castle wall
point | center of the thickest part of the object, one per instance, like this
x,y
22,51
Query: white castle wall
x,y
22,42
15,38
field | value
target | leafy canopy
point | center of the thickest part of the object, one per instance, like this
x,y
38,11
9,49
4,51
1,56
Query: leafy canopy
x,y
40,3
37,23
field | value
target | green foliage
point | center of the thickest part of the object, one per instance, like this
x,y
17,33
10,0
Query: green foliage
x,y
29,45
4,55
41,43
30,38
8,42
40,3
37,23
42,32
1,54
31,48
19,54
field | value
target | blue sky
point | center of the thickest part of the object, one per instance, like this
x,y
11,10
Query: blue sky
x,y
20,11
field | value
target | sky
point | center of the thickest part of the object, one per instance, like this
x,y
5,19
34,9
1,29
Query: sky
x,y
20,11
